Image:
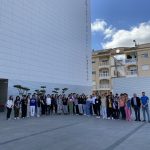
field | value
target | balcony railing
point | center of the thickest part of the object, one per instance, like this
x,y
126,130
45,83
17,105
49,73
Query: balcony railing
x,y
131,61
103,75
132,72
106,63
104,86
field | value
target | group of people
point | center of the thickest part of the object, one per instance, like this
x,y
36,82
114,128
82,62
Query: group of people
x,y
107,106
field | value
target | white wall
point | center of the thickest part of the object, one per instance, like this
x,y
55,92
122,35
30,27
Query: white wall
x,y
132,85
45,41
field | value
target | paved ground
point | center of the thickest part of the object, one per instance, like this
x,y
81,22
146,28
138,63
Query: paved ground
x,y
73,133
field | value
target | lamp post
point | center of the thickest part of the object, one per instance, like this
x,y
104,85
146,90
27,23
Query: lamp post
x,y
117,51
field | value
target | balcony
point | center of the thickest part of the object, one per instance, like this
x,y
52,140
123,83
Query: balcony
x,y
104,87
131,61
104,64
132,73
104,76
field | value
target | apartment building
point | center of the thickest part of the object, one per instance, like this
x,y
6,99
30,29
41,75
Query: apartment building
x,y
120,62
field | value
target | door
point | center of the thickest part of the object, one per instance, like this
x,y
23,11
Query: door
x,y
3,93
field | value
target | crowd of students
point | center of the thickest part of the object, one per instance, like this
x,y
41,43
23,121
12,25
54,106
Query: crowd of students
x,y
107,106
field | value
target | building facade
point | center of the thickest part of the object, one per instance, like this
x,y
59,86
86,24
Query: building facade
x,y
121,62
45,42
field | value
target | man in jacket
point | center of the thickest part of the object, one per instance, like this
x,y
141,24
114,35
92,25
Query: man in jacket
x,y
136,104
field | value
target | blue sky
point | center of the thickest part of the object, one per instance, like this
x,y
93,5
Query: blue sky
x,y
117,23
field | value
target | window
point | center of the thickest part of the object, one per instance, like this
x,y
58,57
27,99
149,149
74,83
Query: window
x,y
93,62
144,55
145,67
94,83
93,72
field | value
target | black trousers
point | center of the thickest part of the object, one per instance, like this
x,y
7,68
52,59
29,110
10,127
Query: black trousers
x,y
16,112
8,112
43,109
48,109
54,107
77,109
24,111
97,107
116,113
123,114
137,112
94,109
110,112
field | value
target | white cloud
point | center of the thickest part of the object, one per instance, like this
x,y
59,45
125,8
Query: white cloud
x,y
98,25
109,32
101,26
124,38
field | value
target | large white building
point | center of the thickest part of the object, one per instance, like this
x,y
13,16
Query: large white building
x,y
45,42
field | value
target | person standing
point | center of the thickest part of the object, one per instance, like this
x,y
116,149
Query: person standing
x,y
38,106
116,107
32,105
80,105
65,104
76,108
70,104
94,107
28,106
43,104
16,107
48,104
128,107
84,104
24,106
88,105
136,104
145,107
104,112
122,106
109,105
9,106
59,104
98,105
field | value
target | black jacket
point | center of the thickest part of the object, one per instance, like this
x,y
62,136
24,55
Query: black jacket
x,y
138,101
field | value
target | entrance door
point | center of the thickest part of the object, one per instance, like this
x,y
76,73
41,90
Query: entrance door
x,y
3,93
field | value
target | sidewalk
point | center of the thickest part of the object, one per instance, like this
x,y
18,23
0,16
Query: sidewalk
x,y
73,132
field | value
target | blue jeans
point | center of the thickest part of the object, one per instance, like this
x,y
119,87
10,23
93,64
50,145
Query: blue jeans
x,y
146,109
88,104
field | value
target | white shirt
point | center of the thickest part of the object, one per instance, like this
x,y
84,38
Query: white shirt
x,y
93,99
48,101
9,103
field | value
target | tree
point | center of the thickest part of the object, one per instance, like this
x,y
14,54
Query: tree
x,y
22,90
64,90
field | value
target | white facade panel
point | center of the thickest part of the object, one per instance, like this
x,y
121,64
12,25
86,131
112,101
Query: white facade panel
x,y
132,85
46,41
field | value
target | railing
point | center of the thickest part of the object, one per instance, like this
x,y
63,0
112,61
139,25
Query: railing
x,y
132,72
130,61
104,86
106,63
104,75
